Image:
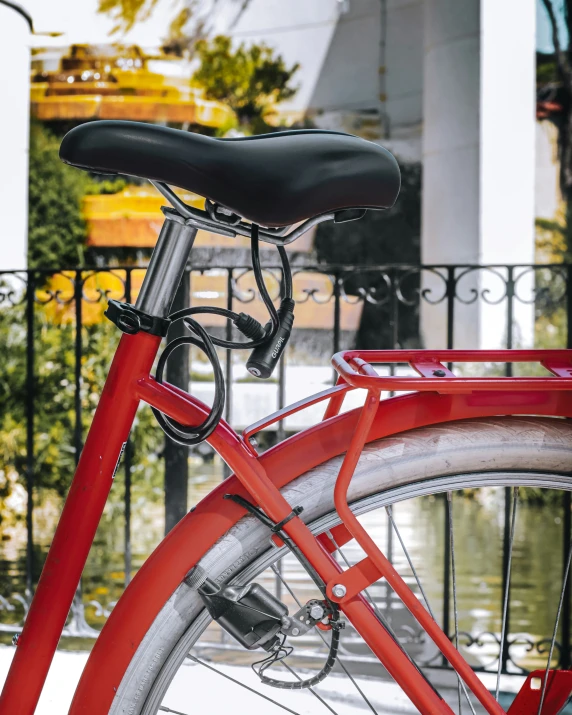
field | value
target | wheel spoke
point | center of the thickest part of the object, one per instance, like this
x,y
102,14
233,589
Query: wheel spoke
x,y
550,652
389,511
237,682
384,622
507,588
290,584
314,693
454,575
324,640
369,597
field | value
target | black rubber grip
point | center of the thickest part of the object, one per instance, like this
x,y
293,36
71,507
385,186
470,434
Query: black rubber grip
x,y
264,358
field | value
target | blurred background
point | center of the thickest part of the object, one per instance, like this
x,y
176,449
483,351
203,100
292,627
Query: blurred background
x,y
474,98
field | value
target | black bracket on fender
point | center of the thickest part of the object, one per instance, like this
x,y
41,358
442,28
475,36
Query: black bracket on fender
x,y
132,321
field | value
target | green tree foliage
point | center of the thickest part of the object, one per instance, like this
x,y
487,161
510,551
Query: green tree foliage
x,y
54,396
126,13
192,22
251,80
56,229
57,236
556,73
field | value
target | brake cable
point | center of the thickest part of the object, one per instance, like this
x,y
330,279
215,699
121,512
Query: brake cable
x,y
266,351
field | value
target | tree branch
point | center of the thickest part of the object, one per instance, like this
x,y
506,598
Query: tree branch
x,y
561,57
568,19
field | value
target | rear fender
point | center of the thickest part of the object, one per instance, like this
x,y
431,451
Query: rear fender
x,y
167,566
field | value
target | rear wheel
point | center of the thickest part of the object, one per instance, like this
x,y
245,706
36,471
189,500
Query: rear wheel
x,y
462,472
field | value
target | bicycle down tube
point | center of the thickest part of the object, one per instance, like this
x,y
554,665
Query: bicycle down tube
x,y
128,383
94,475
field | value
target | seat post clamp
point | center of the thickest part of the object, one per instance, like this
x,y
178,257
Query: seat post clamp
x,y
132,321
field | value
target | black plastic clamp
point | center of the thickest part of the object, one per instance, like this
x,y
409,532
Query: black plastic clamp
x,y
261,516
132,321
296,511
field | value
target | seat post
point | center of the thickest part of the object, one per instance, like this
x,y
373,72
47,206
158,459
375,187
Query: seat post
x,y
166,266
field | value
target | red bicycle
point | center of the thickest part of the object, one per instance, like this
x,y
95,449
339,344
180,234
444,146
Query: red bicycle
x,y
290,511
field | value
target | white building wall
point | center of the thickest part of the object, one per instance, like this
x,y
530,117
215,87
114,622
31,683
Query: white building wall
x,y
14,136
338,45
507,161
300,31
404,77
458,90
478,158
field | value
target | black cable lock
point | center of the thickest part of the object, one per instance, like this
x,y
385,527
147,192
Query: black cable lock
x,y
267,343
264,358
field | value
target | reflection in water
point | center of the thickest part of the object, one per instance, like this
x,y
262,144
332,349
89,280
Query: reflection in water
x,y
478,523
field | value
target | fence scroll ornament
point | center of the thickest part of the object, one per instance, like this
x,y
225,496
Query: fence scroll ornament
x,y
78,296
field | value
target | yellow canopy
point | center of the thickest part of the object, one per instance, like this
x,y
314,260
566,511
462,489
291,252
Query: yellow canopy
x,y
119,82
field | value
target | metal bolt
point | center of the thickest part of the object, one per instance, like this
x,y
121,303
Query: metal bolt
x,y
316,612
295,631
15,638
339,590
439,373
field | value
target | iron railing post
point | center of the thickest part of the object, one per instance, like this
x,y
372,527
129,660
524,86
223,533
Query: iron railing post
x,y
565,659
451,286
446,573
78,350
505,575
228,360
337,318
509,315
78,609
128,461
177,455
30,413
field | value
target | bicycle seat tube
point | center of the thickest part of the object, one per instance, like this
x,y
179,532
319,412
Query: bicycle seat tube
x,y
167,266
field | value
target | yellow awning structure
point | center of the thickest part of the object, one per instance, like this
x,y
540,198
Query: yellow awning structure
x,y
132,218
118,82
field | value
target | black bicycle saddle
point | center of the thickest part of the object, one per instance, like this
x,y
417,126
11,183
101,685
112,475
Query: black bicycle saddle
x,y
272,179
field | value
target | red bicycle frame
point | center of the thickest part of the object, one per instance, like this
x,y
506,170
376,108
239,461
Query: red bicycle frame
x,y
439,397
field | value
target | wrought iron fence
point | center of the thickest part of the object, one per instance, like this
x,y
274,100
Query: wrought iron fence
x,y
340,306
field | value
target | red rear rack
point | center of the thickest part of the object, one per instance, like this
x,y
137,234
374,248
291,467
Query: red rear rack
x,y
355,368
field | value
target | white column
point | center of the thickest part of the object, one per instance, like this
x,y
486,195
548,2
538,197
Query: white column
x,y
14,137
478,154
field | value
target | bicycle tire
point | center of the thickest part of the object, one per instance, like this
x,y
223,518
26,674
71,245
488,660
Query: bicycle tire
x,y
485,452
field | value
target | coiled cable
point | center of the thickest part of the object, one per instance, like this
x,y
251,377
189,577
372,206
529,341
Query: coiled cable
x,y
200,338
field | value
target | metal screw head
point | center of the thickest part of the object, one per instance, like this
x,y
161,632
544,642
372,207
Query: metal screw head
x,y
295,631
316,612
339,590
439,373
15,638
